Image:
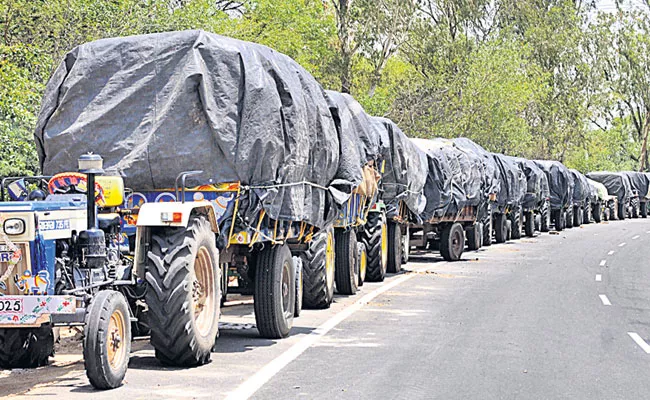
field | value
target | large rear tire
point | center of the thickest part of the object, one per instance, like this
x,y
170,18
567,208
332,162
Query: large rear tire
x,y
500,228
487,232
375,237
635,207
516,218
621,211
598,212
644,209
26,347
394,248
568,219
558,216
183,277
107,340
452,242
347,275
275,295
318,271
545,225
474,236
530,224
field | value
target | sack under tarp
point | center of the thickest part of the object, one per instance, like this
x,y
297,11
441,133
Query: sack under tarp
x,y
581,190
616,183
599,191
405,170
156,105
560,183
537,190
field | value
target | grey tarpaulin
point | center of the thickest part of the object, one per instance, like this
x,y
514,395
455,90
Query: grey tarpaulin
x,y
616,183
156,105
537,190
512,181
491,183
405,171
454,178
581,188
640,183
560,183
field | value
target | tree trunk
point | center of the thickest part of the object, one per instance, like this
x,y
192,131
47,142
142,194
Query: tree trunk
x,y
644,147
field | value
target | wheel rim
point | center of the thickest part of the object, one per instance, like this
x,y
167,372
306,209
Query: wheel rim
x,y
203,296
363,260
115,346
329,260
286,288
456,243
384,246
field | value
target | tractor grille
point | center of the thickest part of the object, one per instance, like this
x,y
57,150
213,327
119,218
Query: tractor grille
x,y
18,270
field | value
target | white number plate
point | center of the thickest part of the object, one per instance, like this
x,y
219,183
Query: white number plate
x,y
11,306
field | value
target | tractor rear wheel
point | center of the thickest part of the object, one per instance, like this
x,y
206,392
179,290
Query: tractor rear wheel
x,y
598,212
516,217
347,275
487,232
545,225
318,271
183,296
275,292
530,224
644,209
26,347
375,237
107,339
501,228
452,242
558,216
394,248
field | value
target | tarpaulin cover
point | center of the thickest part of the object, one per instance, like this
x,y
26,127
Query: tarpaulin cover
x,y
617,184
490,183
454,178
581,189
405,172
537,190
597,191
156,105
560,183
640,182
512,181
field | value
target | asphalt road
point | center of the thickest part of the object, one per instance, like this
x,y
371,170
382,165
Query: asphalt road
x,y
552,317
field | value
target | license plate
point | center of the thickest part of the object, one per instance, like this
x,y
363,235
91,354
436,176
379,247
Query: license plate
x,y
11,306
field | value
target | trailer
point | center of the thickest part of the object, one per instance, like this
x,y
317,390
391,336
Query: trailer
x,y
561,192
580,196
600,202
536,202
640,183
507,211
618,185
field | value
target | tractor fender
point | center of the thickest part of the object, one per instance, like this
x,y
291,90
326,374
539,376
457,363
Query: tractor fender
x,y
162,214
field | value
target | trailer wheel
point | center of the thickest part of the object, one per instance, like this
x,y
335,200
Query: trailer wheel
x,y
107,339
474,236
487,232
274,299
406,245
501,228
26,347
319,270
452,242
297,263
558,216
346,276
597,212
517,216
621,211
362,262
183,295
545,224
394,248
644,209
586,214
568,219
530,224
577,217
375,237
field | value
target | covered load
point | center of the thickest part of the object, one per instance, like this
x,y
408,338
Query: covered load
x,y
490,179
581,188
640,182
598,190
405,170
616,183
156,105
454,178
560,183
512,181
537,190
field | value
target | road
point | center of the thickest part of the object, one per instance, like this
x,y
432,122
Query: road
x,y
555,316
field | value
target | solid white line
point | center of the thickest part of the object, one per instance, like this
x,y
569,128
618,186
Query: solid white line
x,y
605,300
611,252
642,343
603,262
622,244
635,237
255,382
599,278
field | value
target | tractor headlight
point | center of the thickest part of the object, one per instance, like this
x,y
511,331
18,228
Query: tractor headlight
x,y
14,226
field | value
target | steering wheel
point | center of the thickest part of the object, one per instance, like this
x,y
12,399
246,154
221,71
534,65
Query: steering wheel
x,y
74,182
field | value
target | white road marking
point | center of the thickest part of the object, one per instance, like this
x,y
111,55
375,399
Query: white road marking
x,y
611,252
635,237
255,382
642,343
599,278
603,262
622,244
648,232
605,300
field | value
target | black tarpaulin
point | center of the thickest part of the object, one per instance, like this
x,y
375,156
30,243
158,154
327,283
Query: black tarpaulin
x,y
560,183
616,183
156,105
581,188
639,182
512,181
537,190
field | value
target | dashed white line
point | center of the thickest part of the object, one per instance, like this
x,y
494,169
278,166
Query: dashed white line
x,y
599,278
622,244
611,252
605,300
642,343
648,232
603,262
635,237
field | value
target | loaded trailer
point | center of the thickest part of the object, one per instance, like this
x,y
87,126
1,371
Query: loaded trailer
x,y
536,202
229,153
560,184
617,184
580,197
640,184
507,209
602,204
453,195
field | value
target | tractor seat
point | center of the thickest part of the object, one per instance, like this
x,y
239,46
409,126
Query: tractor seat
x,y
108,221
